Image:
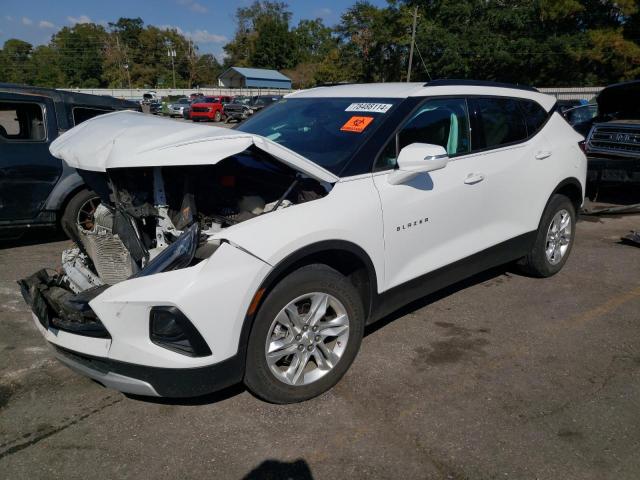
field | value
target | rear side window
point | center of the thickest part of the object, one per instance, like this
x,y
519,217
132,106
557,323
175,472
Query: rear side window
x,y
21,121
497,122
81,114
535,116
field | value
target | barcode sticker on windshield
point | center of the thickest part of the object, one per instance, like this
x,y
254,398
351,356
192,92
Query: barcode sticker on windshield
x,y
369,107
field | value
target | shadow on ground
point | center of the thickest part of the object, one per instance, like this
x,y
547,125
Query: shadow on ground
x,y
508,269
276,470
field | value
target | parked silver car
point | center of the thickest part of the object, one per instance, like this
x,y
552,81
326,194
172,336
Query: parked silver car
x,y
176,109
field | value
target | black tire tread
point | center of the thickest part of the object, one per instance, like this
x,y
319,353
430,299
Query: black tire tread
x,y
258,378
535,262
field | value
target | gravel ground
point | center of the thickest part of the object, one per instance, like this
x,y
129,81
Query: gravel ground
x,y
500,377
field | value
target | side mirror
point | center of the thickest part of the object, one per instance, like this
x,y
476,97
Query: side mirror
x,y
418,158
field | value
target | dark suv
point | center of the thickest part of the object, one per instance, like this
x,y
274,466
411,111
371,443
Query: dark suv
x,y
37,189
613,143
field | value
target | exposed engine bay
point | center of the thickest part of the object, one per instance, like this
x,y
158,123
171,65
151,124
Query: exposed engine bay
x,y
155,219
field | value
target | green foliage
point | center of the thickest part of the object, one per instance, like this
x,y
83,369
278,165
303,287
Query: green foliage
x,y
128,53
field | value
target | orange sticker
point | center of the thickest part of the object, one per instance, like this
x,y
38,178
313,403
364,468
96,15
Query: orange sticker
x,y
356,124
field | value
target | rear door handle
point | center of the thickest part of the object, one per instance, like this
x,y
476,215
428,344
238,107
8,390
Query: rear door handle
x,y
474,178
542,155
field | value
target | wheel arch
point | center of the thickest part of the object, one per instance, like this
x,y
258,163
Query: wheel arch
x,y
572,189
64,191
344,256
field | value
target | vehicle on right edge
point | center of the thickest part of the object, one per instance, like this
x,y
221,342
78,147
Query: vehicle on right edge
x,y
613,143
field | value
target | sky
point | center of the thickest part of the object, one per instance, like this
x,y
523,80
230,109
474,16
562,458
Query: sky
x,y
208,22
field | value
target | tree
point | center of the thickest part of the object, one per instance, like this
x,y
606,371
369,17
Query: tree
x,y
374,41
16,61
80,52
45,67
262,37
208,69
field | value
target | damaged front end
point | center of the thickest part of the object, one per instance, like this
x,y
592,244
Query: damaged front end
x,y
157,219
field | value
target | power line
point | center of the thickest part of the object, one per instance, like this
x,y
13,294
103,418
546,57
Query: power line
x,y
423,64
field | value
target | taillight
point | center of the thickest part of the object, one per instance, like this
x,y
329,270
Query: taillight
x,y
583,146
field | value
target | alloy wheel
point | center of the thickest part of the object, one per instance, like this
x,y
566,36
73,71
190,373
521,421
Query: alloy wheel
x,y
307,338
558,237
85,218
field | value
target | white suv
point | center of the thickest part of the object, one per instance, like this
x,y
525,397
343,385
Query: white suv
x,y
259,254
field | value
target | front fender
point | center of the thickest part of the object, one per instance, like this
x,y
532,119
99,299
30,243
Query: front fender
x,y
350,213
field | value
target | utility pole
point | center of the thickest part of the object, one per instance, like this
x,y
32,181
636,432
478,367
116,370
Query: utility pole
x,y
172,53
122,52
413,39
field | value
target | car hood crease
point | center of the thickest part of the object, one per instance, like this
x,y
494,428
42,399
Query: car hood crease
x,y
131,139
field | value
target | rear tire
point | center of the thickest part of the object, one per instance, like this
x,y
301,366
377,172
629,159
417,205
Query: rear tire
x,y
554,239
324,345
79,210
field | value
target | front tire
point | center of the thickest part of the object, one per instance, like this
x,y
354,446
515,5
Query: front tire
x,y
554,239
217,117
306,335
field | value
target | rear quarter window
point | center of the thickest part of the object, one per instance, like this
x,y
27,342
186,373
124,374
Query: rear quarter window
x,y
82,114
535,116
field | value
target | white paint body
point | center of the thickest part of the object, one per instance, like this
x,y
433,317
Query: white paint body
x,y
464,217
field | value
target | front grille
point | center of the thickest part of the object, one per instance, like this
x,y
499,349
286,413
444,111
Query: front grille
x,y
615,139
199,109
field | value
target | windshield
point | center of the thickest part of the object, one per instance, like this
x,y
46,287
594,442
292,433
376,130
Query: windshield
x,y
327,131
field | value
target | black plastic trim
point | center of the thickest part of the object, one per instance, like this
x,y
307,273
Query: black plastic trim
x,y
573,182
505,252
169,382
198,344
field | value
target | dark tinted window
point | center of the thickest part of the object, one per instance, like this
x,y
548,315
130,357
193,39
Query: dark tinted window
x,y
498,121
534,116
439,122
21,121
81,114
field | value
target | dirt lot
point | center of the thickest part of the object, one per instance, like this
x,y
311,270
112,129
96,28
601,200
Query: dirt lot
x,y
500,377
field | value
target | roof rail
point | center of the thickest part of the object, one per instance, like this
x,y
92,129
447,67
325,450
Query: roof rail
x,y
478,83
333,84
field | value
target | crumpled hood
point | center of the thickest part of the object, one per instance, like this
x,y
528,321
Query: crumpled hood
x,y
132,139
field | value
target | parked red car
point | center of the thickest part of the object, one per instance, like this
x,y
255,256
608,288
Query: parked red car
x,y
209,108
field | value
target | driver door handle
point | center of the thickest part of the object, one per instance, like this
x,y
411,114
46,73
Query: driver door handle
x,y
474,178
